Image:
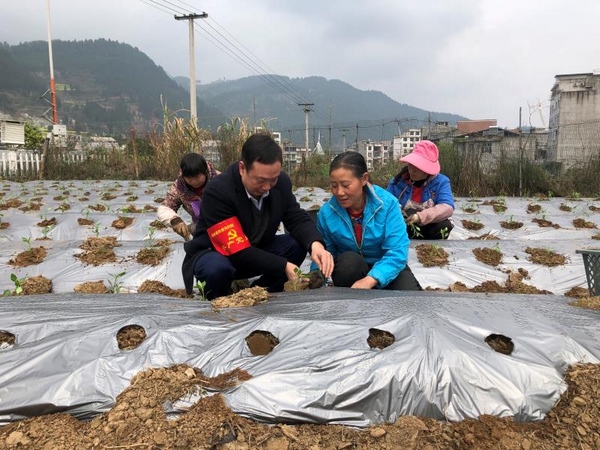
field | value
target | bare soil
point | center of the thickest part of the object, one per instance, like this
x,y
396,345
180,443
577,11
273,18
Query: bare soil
x,y
130,337
29,257
582,223
122,222
152,256
261,342
566,208
37,285
158,224
532,208
513,284
98,250
158,287
587,302
431,255
247,297
543,223
489,256
4,225
7,339
545,257
138,421
511,225
47,222
380,338
92,287
83,221
500,343
489,236
471,225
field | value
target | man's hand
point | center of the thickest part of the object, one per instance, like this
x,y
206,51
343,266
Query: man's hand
x,y
413,219
367,282
180,227
291,270
322,258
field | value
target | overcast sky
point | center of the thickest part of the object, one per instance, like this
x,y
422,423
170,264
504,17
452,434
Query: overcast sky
x,y
477,58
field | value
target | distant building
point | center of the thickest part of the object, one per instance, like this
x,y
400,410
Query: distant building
x,y
12,132
403,144
376,154
574,122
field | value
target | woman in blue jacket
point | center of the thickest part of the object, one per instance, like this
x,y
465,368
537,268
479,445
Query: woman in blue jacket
x,y
424,193
364,230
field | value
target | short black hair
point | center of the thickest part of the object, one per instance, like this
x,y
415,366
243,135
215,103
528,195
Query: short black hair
x,y
353,161
193,164
261,148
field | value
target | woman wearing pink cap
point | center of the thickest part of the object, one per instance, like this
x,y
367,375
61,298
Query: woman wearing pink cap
x,y
424,194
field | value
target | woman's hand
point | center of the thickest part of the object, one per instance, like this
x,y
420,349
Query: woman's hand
x,y
413,219
322,258
367,282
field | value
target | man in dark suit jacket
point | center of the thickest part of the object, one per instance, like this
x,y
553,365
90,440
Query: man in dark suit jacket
x,y
236,234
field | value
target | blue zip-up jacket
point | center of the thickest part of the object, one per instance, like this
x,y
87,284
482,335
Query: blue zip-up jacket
x,y
435,191
384,240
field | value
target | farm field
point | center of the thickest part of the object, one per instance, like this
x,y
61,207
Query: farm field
x,y
93,260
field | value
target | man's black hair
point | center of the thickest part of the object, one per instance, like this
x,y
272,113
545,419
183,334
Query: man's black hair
x,y
261,148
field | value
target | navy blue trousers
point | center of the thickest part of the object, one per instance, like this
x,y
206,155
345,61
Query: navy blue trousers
x,y
218,271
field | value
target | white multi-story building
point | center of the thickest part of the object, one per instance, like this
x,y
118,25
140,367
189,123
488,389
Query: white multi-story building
x,y
376,154
574,118
403,144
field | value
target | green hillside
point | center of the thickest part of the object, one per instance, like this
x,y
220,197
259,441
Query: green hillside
x,y
103,86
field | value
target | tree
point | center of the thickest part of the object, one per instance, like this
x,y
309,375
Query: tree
x,y
34,136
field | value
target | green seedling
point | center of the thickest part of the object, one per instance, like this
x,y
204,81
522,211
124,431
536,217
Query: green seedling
x,y
46,230
18,282
444,232
201,285
115,285
96,229
416,230
27,241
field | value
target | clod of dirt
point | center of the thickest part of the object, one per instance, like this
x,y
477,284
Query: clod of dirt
x,y
532,208
431,255
471,225
511,225
98,207
150,208
543,223
91,287
10,203
158,224
122,222
29,257
130,337
582,223
98,250
596,237
594,208
489,236
545,257
577,292
248,297
489,256
380,338
565,208
261,342
7,339
500,343
4,225
37,285
157,287
84,221
587,302
514,284
47,222
152,256
299,284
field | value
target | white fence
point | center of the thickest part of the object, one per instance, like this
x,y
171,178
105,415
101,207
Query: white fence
x,y
21,163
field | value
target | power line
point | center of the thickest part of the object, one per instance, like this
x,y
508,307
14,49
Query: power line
x,y
278,83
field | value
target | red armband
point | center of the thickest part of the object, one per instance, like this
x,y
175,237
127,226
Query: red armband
x,y
228,237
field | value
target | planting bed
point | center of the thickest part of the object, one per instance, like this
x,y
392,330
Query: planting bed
x,y
111,339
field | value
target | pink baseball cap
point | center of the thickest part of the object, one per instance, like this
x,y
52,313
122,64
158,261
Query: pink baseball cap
x,y
424,156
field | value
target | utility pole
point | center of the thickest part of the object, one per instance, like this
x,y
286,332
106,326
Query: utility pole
x,y
52,83
190,18
329,141
520,156
344,139
306,108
